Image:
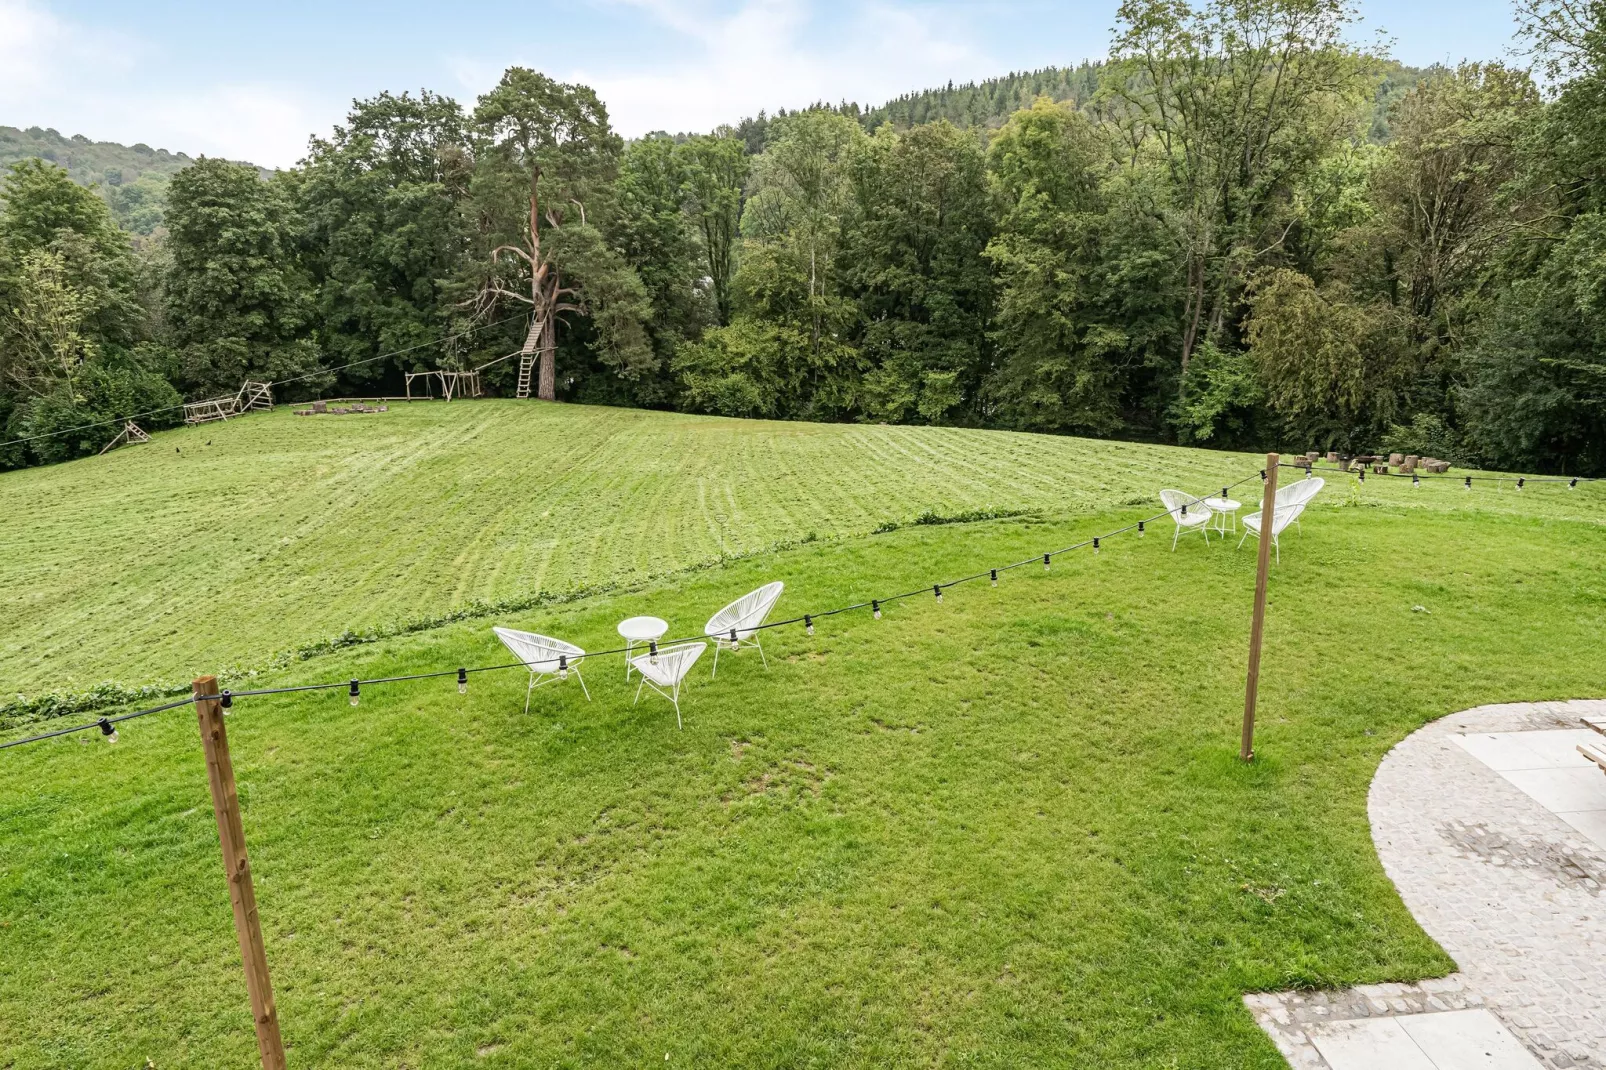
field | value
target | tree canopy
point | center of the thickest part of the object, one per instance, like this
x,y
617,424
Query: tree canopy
x,y
1240,229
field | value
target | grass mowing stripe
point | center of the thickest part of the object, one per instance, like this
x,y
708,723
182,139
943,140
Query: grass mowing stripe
x,y
318,525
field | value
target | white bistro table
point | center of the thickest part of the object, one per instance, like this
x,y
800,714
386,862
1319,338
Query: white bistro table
x,y
640,630
1222,508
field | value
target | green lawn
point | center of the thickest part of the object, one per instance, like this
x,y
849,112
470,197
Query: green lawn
x,y
1009,830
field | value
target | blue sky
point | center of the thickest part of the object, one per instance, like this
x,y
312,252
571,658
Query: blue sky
x,y
254,81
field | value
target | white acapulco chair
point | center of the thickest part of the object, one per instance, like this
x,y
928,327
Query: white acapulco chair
x,y
737,624
1190,513
1300,493
665,672
547,659
1281,517
1288,506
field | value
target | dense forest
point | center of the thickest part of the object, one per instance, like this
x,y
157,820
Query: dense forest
x,y
1238,230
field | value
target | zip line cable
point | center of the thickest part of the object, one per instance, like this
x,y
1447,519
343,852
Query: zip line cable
x,y
278,382
355,685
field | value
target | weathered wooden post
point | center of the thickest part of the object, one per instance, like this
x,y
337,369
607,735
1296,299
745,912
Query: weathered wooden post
x,y
1268,515
237,867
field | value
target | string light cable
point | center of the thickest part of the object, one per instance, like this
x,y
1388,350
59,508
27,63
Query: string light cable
x,y
277,382
1466,480
102,723
354,686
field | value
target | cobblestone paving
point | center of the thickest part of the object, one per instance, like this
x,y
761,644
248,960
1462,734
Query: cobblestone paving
x,y
1512,892
1286,1014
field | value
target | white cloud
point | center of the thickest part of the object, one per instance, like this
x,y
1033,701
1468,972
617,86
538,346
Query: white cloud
x,y
36,48
759,56
82,80
723,64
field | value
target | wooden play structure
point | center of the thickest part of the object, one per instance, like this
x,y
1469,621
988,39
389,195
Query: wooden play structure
x,y
130,433
253,396
452,384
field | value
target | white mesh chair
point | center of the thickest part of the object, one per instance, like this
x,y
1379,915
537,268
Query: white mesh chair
x,y
1300,493
547,659
737,624
1190,513
665,672
1281,517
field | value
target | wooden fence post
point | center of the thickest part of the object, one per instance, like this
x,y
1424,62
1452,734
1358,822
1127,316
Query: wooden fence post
x,y
1268,514
242,894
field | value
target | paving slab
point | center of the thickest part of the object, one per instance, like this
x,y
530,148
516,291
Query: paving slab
x,y
1467,1040
1448,1040
1559,790
1368,1044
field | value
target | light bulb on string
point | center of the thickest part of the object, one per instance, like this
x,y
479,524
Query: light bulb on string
x,y
995,577
563,666
1140,529
875,608
1095,544
652,651
1416,480
808,624
1574,484
1468,483
356,692
936,589
1045,562
733,638
462,681
226,700
1520,482
108,730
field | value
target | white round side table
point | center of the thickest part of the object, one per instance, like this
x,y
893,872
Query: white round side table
x,y
640,630
1224,508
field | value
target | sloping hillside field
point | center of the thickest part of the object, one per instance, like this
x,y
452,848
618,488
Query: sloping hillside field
x,y
1009,829
222,545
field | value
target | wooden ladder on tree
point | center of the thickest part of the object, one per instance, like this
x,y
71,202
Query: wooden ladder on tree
x,y
526,364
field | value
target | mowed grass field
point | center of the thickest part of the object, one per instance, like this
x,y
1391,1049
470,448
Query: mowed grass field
x,y
1008,830
223,545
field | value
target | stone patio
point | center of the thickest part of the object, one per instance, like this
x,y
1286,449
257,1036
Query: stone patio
x,y
1493,829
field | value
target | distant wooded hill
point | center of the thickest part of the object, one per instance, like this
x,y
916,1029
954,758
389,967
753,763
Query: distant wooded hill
x,y
988,103
132,178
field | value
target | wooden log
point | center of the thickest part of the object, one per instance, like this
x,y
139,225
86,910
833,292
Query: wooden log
x,y
1396,459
